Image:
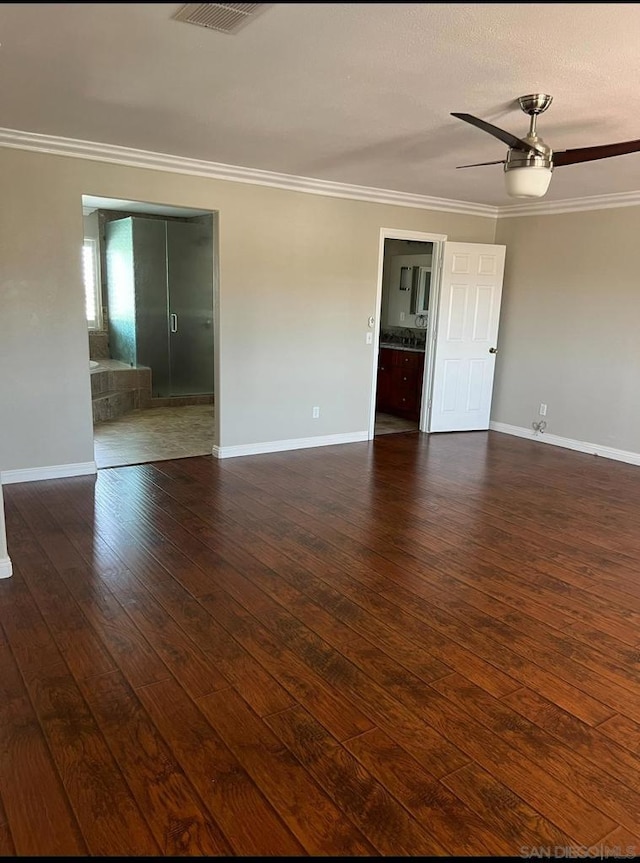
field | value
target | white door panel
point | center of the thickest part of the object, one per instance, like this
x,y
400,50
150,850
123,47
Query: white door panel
x,y
466,330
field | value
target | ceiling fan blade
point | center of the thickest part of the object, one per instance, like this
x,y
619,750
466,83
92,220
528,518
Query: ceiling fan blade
x,y
480,164
506,137
590,154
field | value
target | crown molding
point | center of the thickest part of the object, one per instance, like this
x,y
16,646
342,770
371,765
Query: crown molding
x,y
133,158
217,171
570,205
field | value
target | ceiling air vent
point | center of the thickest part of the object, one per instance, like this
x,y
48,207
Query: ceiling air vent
x,y
225,17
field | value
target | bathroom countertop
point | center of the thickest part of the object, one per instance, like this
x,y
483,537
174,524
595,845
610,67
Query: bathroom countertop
x,y
397,347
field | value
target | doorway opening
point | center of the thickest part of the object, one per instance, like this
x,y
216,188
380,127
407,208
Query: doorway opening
x,y
150,273
407,298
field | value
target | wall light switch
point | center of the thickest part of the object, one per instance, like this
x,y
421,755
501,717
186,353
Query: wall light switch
x,y
369,338
402,316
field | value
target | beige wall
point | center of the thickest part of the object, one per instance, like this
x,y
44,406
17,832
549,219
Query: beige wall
x,y
569,331
297,283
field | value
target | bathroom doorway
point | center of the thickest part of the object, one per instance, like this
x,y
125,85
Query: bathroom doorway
x,y
150,273
402,334
409,266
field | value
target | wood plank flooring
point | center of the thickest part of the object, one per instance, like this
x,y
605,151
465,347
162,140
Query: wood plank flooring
x,y
418,646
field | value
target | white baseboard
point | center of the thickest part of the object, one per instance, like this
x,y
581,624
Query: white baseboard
x,y
283,445
56,471
569,443
5,567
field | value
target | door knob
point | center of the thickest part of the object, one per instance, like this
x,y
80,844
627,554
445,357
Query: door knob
x,y
493,350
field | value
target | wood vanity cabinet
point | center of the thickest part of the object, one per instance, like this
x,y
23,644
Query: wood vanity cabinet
x,y
399,389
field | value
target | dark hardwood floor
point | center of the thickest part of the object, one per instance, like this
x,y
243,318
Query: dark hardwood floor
x,y
421,646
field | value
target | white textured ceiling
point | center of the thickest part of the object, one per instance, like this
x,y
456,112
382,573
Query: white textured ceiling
x,y
351,92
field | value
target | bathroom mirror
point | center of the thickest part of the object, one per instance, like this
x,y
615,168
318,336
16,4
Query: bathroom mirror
x,y
406,278
420,290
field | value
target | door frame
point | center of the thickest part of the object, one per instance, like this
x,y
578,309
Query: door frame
x,y
438,241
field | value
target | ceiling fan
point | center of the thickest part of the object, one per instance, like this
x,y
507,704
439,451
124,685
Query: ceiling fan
x,y
530,162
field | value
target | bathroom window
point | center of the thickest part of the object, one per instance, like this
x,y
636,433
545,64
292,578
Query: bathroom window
x,y
90,272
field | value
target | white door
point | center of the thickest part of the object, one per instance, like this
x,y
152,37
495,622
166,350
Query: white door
x,y
466,336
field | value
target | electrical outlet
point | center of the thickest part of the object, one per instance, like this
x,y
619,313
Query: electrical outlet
x,y
543,409
539,427
315,413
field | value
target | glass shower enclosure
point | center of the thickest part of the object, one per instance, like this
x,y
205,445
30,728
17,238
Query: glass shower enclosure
x,y
160,300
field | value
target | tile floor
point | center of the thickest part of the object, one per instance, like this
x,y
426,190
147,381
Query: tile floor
x,y
388,424
156,434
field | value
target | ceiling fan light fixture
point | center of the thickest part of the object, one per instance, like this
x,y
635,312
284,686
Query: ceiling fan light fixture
x,y
528,182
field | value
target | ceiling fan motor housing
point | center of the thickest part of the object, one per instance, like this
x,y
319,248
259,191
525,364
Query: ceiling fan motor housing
x,y
541,157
